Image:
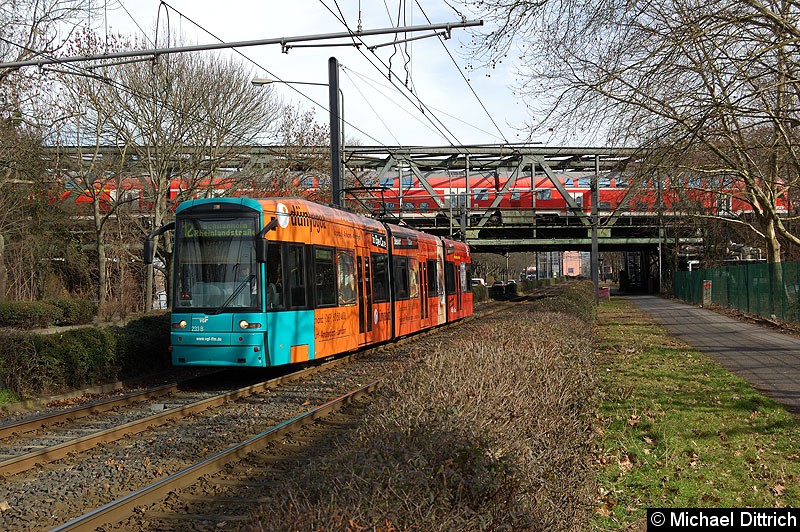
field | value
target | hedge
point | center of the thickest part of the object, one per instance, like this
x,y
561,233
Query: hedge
x,y
43,314
37,364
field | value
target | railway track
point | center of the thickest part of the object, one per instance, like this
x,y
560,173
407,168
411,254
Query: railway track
x,y
42,490
49,491
217,471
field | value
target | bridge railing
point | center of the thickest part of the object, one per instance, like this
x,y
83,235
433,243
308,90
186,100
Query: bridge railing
x,y
762,289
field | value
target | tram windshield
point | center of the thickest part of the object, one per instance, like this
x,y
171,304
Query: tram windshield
x,y
215,258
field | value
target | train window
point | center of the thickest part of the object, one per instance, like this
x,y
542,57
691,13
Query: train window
x,y
275,295
423,206
481,194
296,276
387,182
413,273
584,182
544,195
433,285
380,278
400,273
345,264
408,206
389,206
515,195
407,181
324,277
450,277
604,182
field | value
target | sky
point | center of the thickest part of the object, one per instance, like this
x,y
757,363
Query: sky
x,y
377,111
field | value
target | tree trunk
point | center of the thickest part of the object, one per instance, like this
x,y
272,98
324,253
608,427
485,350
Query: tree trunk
x,y
3,271
100,247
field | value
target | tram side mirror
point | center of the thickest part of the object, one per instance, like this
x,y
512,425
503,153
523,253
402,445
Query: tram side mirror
x,y
149,251
261,242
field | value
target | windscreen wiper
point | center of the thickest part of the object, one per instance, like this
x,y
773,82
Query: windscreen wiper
x,y
245,282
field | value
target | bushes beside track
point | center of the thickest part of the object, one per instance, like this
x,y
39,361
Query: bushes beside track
x,y
474,435
33,363
41,314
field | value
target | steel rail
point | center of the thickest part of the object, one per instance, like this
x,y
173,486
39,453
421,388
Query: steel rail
x,y
77,412
26,461
119,509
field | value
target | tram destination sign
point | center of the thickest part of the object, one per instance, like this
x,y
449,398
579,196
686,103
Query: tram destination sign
x,y
217,228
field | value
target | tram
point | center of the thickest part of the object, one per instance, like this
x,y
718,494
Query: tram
x,y
266,282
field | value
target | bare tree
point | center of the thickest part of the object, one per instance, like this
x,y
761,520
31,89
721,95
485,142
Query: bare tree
x,y
183,117
710,88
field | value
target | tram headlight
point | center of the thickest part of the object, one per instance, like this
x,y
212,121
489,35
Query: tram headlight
x,y
180,325
244,324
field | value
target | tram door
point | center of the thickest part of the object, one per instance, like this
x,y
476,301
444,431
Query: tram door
x,y
422,277
364,300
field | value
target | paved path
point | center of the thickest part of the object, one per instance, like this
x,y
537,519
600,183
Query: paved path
x,y
768,359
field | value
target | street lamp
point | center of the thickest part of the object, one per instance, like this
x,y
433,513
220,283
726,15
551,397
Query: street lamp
x,y
336,106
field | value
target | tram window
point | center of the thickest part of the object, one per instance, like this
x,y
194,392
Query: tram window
x,y
275,295
347,279
450,277
296,276
423,206
464,278
481,194
400,271
380,277
324,277
387,182
433,286
544,195
413,273
407,181
515,195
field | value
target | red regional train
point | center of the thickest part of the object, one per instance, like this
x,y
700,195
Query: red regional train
x,y
265,282
406,194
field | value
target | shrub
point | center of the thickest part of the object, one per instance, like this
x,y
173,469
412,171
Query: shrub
x,y
144,345
576,299
25,368
29,314
480,293
36,364
86,355
480,435
75,311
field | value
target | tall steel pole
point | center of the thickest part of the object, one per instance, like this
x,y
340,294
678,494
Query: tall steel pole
x,y
336,132
595,255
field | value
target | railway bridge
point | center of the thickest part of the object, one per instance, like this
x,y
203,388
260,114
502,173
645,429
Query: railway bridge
x,y
498,198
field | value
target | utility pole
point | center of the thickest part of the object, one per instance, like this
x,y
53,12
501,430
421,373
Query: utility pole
x,y
336,132
595,248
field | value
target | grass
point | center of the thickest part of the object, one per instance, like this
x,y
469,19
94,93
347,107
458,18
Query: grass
x,y
7,396
677,430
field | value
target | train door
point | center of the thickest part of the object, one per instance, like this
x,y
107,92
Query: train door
x,y
422,275
364,301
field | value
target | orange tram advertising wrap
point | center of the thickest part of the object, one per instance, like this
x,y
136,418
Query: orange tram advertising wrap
x,y
265,282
